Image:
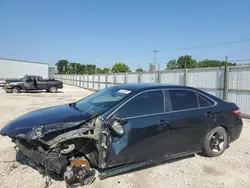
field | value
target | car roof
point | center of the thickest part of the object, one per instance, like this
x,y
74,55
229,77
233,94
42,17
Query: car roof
x,y
147,86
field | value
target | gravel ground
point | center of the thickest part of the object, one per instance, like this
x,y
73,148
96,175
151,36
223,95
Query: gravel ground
x,y
230,170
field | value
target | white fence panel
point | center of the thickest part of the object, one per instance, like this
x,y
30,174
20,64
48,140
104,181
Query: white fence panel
x,y
239,78
102,85
120,78
96,78
132,78
173,77
90,78
148,77
96,86
85,83
102,78
212,78
111,78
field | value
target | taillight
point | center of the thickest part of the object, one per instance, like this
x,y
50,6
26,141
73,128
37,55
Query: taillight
x,y
237,112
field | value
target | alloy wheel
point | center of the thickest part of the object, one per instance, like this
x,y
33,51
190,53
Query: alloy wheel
x,y
217,142
14,90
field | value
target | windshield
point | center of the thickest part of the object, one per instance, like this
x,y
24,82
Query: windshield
x,y
101,101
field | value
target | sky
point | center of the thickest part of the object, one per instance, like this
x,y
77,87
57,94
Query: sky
x,y
107,31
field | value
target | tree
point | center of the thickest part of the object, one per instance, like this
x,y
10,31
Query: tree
x,y
172,64
106,70
120,67
213,63
187,59
139,70
73,68
62,66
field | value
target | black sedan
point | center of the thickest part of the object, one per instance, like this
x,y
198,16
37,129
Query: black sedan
x,y
124,127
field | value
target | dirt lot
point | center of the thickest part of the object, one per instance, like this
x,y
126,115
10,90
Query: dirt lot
x,y
230,170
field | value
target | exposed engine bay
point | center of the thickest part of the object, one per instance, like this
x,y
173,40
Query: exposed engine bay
x,y
71,154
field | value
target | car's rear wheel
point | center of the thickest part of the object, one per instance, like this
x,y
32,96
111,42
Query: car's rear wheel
x,y
15,90
215,142
52,89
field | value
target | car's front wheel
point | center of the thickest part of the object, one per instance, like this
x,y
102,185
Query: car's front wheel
x,y
215,142
15,90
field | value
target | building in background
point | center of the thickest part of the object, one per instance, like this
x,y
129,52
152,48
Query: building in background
x,y
11,68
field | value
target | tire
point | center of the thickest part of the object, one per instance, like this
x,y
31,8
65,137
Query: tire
x,y
47,90
15,90
215,142
52,89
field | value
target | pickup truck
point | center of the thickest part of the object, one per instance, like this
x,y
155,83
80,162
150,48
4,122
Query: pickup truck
x,y
30,82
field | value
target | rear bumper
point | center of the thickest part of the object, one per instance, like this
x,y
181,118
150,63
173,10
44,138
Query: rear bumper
x,y
51,160
235,130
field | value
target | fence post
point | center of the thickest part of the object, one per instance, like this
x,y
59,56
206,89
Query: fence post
x,y
106,80
126,78
99,80
83,80
226,81
159,77
80,81
114,78
139,75
185,77
87,81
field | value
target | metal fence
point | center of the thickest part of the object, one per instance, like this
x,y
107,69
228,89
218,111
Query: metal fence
x,y
232,83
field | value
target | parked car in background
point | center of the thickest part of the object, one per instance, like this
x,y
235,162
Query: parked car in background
x,y
31,82
125,127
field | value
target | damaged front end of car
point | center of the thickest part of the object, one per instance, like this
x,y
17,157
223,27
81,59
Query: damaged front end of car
x,y
72,152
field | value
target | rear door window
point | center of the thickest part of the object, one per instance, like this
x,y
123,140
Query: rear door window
x,y
183,99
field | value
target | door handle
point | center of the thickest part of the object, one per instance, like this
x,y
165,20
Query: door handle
x,y
209,114
164,122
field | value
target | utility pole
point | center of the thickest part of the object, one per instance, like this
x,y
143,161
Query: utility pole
x,y
75,69
226,81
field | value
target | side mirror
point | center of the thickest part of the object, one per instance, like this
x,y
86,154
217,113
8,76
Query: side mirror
x,y
117,128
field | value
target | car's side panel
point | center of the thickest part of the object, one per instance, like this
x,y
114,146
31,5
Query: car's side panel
x,y
188,128
145,138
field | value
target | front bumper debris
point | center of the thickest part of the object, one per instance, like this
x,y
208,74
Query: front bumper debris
x,y
49,160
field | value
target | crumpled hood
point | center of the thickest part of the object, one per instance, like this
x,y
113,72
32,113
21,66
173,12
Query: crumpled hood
x,y
57,117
